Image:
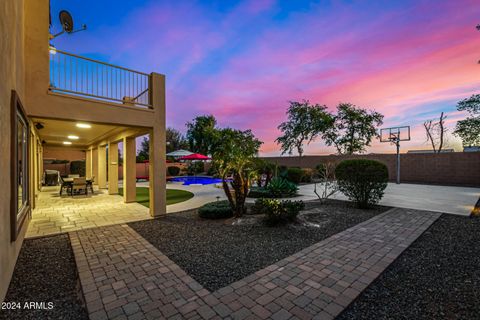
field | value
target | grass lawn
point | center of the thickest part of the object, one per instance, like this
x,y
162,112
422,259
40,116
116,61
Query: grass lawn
x,y
173,196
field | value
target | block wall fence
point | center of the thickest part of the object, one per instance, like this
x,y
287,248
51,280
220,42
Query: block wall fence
x,y
454,169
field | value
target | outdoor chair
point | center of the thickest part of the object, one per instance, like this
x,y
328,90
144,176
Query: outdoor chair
x,y
51,177
65,185
79,186
90,183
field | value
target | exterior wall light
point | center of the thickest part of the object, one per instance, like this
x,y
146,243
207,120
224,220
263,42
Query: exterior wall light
x,y
52,49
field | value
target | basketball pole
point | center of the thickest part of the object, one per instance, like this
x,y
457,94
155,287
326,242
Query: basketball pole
x,y
397,142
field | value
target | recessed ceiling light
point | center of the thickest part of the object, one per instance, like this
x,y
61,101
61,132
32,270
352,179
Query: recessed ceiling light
x,y
84,125
67,142
72,137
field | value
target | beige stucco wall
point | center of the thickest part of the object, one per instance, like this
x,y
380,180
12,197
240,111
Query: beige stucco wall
x,y
59,153
12,77
41,104
24,67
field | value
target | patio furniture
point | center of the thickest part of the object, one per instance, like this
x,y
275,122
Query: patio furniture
x,y
65,185
90,183
79,185
51,177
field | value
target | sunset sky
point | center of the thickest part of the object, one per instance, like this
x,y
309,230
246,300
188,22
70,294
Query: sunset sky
x,y
242,61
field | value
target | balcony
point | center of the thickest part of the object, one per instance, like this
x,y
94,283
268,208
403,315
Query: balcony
x,y
78,76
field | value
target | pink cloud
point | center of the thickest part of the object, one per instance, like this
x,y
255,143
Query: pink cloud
x,y
409,60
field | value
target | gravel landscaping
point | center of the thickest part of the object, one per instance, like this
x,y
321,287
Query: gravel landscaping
x,y
437,277
45,273
216,253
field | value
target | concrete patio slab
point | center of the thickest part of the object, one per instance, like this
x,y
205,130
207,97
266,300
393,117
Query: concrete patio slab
x,y
447,199
202,194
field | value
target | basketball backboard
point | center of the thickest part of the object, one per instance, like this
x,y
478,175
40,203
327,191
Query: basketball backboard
x,y
395,134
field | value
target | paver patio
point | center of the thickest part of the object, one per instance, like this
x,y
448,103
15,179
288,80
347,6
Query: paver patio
x,y
54,214
124,276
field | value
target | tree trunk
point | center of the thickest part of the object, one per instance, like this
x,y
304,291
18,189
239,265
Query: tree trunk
x,y
428,128
239,186
226,189
442,131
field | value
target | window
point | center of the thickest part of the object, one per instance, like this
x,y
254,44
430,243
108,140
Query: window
x,y
20,203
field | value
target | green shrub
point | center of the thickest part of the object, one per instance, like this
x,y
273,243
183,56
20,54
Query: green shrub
x,y
362,181
78,167
281,188
294,175
173,171
320,169
259,192
196,167
212,171
307,175
276,211
216,210
282,172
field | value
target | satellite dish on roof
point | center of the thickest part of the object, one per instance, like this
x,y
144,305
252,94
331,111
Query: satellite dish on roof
x,y
66,21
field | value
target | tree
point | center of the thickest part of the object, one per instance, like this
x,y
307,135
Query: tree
x,y
328,182
263,169
469,129
233,155
201,133
143,154
305,123
175,140
353,129
435,131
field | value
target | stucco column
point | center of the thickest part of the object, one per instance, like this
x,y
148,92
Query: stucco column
x,y
40,166
129,169
95,165
102,167
157,173
113,168
88,163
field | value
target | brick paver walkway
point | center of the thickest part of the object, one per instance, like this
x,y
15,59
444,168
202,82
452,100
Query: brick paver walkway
x,y
125,277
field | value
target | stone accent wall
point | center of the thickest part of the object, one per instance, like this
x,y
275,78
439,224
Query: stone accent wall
x,y
456,168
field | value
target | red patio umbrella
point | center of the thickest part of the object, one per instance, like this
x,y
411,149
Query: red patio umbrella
x,y
194,156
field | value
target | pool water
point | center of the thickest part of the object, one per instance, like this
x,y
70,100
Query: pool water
x,y
195,180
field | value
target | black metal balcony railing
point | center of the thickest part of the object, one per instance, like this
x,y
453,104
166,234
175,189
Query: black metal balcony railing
x,y
84,77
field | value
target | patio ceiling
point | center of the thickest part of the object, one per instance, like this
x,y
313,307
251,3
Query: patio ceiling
x,y
55,132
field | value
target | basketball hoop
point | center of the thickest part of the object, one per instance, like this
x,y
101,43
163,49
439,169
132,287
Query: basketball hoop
x,y
394,135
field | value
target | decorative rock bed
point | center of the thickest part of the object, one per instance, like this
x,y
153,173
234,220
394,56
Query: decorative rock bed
x,y
437,277
45,274
217,253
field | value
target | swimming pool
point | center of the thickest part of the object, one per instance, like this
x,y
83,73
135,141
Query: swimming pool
x,y
187,180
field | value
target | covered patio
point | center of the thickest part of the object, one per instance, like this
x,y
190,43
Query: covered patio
x,y
103,154
56,214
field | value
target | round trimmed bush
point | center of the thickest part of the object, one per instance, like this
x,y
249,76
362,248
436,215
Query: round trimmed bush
x,y
216,210
294,175
362,181
259,192
173,171
276,211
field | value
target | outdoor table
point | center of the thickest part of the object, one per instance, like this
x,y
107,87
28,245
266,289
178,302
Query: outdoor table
x,y
69,181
